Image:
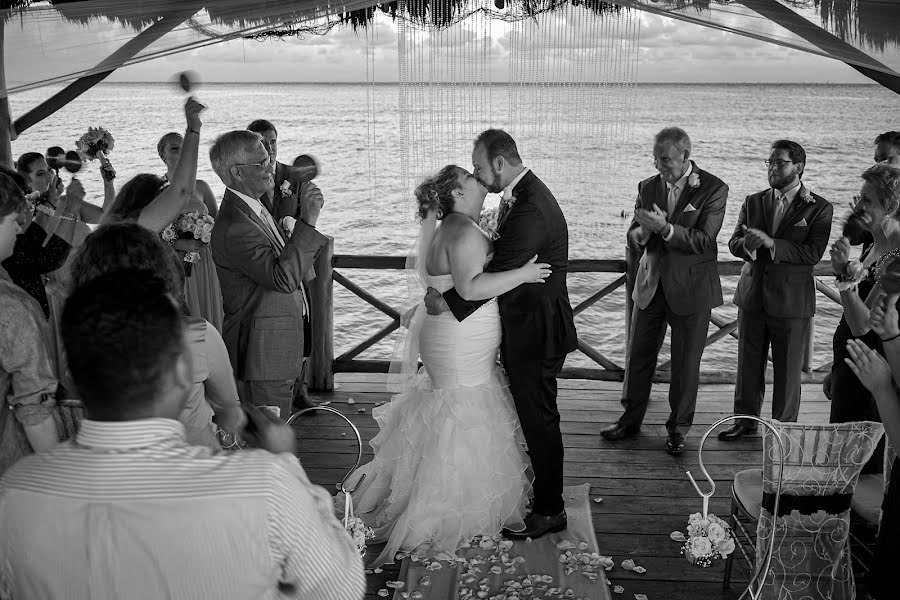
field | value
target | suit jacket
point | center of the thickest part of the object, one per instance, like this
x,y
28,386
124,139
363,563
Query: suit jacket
x,y
537,318
784,287
687,264
263,327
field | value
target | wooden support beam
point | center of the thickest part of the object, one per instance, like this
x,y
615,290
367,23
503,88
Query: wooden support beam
x,y
834,46
105,67
597,357
6,127
382,333
320,377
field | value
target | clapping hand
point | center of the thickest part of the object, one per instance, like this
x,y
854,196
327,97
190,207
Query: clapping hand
x,y
883,318
840,255
870,368
654,221
756,238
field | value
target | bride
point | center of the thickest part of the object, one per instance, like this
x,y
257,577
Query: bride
x,y
449,456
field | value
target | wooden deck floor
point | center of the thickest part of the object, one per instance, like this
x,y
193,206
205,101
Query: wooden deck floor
x,y
646,494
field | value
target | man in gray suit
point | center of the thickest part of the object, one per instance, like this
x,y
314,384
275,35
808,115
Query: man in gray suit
x,y
261,267
677,216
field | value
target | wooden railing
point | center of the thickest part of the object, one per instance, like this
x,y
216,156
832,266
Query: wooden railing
x,y
330,269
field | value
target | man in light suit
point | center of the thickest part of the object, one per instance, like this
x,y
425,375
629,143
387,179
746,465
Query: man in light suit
x,y
260,267
287,203
781,234
677,216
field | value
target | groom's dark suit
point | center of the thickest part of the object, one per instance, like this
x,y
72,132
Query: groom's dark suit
x,y
677,283
776,298
263,327
538,328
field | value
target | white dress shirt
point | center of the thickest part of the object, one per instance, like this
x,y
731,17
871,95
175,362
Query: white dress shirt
x,y
785,197
674,191
130,510
261,212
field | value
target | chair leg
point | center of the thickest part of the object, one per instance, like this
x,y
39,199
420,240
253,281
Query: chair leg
x,y
729,560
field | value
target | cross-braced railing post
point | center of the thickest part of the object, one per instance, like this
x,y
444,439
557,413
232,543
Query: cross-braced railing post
x,y
320,374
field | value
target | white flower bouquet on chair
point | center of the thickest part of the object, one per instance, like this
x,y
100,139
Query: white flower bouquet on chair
x,y
708,538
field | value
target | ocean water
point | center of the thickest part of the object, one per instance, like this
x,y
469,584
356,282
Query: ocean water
x,y
354,131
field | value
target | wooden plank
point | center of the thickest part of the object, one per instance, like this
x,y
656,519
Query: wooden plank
x,y
600,294
364,295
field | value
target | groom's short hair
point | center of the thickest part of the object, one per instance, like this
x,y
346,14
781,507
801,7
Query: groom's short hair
x,y
499,143
228,149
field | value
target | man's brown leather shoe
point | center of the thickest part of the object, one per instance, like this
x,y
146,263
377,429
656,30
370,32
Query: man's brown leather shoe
x,y
537,525
616,432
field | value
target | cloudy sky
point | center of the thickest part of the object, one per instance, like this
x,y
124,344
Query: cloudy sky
x,y
670,51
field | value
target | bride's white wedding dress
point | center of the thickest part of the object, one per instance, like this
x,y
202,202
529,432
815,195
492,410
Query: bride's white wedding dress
x,y
449,457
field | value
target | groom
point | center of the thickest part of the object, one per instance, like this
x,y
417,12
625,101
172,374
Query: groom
x,y
538,326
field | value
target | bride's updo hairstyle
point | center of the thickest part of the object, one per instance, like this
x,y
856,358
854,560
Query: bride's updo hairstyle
x,y
436,192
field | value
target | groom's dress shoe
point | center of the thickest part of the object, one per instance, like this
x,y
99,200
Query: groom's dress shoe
x,y
537,525
735,432
616,432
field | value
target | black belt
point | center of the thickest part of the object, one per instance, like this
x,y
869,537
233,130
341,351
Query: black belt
x,y
807,505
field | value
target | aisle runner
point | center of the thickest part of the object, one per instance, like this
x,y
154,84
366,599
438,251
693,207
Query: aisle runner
x,y
494,568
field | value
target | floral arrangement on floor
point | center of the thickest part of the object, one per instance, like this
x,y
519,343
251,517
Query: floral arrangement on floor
x,y
190,226
97,140
488,222
708,538
354,525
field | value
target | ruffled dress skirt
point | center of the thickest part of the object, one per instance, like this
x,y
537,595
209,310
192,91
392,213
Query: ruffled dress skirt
x,y
450,459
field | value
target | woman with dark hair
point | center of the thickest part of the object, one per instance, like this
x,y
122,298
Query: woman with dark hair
x,y
449,461
33,166
27,384
202,291
128,246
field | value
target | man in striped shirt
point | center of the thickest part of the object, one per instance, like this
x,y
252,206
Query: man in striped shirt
x,y
130,510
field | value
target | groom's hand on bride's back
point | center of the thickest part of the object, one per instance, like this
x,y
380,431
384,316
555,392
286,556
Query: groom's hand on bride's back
x,y
434,302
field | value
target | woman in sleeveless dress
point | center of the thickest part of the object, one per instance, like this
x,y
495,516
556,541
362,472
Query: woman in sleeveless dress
x,y
449,458
201,288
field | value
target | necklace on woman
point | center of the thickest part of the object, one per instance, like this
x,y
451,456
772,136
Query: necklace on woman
x,y
883,261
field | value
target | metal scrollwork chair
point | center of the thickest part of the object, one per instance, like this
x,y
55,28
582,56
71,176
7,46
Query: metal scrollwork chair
x,y
348,503
799,503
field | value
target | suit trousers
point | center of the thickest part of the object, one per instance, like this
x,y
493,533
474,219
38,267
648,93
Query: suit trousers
x,y
532,382
271,393
648,331
788,338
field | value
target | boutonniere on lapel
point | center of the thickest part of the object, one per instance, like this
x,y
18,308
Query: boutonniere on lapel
x,y
694,180
285,188
806,195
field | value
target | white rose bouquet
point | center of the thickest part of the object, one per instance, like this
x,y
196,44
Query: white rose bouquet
x,y
708,538
488,222
190,226
355,526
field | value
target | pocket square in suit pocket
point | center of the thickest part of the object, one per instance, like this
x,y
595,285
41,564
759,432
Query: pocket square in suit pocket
x,y
689,208
801,223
